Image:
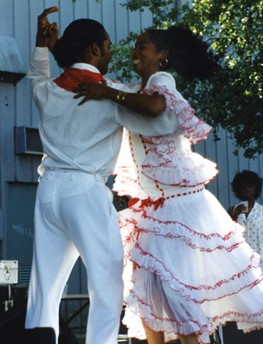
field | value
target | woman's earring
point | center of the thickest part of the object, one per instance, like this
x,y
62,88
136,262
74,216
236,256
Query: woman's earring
x,y
163,63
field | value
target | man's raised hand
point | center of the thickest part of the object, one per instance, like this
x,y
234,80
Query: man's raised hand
x,y
47,34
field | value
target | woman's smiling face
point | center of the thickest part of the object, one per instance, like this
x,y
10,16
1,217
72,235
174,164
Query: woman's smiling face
x,y
146,59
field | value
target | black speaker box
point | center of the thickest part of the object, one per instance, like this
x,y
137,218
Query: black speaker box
x,y
12,322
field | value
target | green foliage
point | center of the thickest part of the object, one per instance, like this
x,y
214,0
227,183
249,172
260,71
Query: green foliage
x,y
163,11
121,58
235,98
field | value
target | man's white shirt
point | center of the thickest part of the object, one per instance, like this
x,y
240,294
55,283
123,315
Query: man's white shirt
x,y
86,137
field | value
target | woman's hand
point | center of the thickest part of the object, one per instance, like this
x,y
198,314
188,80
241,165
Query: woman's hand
x,y
234,212
241,208
91,90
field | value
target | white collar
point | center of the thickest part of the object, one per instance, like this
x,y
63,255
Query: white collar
x,y
86,66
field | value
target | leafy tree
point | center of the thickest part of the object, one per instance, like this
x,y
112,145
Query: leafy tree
x,y
233,99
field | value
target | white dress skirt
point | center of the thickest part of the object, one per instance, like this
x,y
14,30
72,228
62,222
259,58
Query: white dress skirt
x,y
187,266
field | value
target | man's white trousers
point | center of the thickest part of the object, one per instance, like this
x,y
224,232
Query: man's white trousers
x,y
74,216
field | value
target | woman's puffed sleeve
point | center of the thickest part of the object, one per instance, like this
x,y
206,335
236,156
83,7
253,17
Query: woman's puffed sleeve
x,y
164,124
192,127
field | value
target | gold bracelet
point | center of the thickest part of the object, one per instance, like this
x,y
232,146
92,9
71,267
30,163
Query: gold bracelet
x,y
121,96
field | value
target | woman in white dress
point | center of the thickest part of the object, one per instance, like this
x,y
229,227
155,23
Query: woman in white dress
x,y
188,268
247,186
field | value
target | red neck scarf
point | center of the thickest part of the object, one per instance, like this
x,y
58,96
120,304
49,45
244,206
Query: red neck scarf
x,y
72,77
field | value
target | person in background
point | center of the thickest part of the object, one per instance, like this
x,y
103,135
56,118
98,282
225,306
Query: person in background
x,y
74,213
247,186
188,268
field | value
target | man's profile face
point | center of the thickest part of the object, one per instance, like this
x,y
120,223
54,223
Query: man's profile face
x,y
105,56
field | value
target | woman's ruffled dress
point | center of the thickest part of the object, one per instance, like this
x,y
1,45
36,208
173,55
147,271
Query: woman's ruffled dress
x,y
187,266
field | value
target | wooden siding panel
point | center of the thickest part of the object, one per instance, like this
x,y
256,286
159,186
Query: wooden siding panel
x,y
221,152
7,119
95,10
243,163
7,19
23,113
109,17
146,19
223,189
22,30
121,25
134,21
2,227
208,150
34,9
81,9
254,164
260,165
66,14
233,163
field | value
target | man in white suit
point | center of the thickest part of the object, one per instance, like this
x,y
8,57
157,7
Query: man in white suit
x,y
74,214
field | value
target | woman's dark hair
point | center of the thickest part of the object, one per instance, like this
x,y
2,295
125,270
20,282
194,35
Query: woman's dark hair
x,y
188,55
246,177
78,36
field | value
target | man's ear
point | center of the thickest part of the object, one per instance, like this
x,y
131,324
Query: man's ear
x,y
92,53
95,49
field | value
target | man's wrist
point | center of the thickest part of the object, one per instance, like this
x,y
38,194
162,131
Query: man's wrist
x,y
40,42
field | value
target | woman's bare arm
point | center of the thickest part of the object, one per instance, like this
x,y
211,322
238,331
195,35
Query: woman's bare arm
x,y
153,105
